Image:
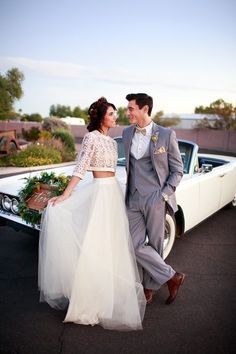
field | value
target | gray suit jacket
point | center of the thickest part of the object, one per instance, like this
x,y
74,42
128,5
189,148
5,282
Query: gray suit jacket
x,y
166,159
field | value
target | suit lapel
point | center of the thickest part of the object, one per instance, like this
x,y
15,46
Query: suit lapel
x,y
153,144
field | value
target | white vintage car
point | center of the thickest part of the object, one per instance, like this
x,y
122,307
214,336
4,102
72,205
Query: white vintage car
x,y
209,183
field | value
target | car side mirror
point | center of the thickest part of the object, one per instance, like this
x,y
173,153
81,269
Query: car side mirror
x,y
207,167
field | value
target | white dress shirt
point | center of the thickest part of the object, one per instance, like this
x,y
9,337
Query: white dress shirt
x,y
140,142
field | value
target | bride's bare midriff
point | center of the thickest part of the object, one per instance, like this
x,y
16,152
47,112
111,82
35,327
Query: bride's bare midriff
x,y
103,174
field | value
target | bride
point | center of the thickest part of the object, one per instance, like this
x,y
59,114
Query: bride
x,y
86,258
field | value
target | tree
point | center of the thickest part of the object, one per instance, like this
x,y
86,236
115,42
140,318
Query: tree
x,y
225,111
10,89
122,118
60,111
80,113
34,117
165,122
204,124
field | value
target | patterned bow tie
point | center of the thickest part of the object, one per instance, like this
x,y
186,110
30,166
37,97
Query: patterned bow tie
x,y
140,130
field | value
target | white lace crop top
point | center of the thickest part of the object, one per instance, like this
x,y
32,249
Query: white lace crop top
x,y
98,153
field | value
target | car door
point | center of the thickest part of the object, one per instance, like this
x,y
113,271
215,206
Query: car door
x,y
227,176
210,186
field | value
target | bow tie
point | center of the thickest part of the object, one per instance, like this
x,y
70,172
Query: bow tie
x,y
141,130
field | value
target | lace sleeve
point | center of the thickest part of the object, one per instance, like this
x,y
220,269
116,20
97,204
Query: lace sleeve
x,y
85,155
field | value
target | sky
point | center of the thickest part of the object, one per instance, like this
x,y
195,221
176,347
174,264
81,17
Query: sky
x,y
182,53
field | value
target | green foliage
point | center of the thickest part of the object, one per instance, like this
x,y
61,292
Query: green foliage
x,y
51,124
10,89
68,150
33,155
205,123
165,122
66,137
33,184
34,117
225,111
80,113
63,111
45,135
122,119
66,154
9,116
32,134
60,111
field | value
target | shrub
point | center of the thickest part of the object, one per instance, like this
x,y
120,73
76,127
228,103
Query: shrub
x,y
51,124
33,155
68,155
66,137
34,117
57,144
32,134
45,135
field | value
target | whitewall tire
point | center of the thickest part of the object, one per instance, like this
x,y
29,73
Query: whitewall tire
x,y
233,203
170,232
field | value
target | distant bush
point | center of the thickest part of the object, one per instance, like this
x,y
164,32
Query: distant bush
x,y
66,154
32,134
44,135
34,117
68,151
51,124
33,155
66,137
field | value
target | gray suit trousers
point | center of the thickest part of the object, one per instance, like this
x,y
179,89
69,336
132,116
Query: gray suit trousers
x,y
146,216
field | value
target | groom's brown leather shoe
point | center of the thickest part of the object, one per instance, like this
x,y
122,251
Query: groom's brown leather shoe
x,y
149,295
173,286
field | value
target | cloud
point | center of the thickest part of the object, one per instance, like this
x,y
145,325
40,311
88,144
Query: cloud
x,y
48,68
69,70
114,76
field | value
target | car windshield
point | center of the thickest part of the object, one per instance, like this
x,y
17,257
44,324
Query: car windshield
x,y
186,153
121,152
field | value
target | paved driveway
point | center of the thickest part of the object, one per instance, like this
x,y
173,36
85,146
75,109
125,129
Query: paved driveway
x,y
201,321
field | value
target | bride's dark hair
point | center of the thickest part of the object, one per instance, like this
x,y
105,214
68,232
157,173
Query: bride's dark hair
x,y
97,112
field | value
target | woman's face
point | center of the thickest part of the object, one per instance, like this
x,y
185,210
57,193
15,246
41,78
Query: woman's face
x,y
109,120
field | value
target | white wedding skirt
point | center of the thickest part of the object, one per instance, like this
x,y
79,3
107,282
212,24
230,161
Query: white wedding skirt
x,y
87,261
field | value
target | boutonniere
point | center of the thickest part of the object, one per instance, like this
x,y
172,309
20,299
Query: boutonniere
x,y
154,138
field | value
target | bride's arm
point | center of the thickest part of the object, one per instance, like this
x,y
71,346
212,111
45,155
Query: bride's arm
x,y
67,192
82,165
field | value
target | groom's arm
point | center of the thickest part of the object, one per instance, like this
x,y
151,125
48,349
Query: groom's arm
x,y
175,165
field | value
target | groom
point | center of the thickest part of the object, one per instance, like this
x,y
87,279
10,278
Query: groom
x,y
154,170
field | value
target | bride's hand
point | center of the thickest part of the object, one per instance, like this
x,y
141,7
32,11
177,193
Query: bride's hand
x,y
54,200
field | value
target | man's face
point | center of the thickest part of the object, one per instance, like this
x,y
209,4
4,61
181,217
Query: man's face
x,y
134,113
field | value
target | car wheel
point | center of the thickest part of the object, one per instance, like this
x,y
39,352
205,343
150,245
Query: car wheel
x,y
170,232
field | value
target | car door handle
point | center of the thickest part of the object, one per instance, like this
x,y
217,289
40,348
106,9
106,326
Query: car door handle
x,y
221,175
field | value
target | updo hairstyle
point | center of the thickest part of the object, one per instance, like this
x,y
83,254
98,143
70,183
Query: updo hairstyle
x,y
97,112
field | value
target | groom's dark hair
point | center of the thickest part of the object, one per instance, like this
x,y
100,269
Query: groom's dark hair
x,y
142,99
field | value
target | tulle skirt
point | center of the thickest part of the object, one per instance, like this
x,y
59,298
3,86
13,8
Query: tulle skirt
x,y
86,259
